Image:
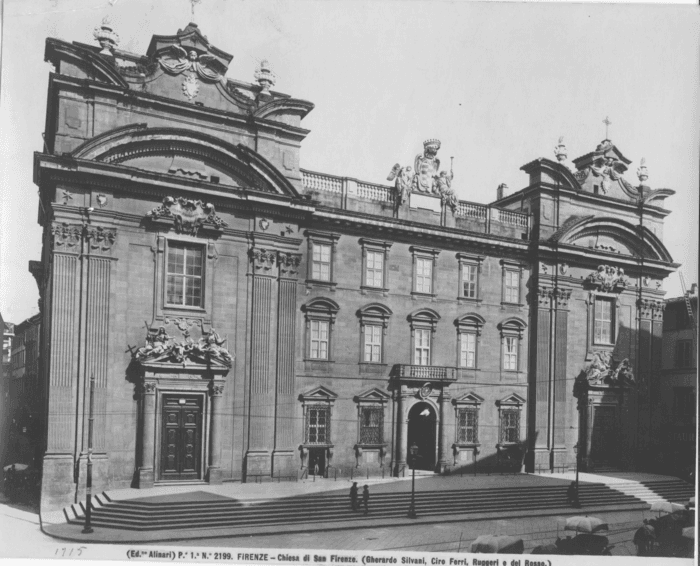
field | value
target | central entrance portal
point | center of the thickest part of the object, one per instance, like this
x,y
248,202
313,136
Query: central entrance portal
x,y
182,437
422,432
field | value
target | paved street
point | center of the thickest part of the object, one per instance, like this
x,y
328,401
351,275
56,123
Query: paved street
x,y
447,537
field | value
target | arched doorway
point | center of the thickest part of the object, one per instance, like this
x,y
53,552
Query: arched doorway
x,y
422,432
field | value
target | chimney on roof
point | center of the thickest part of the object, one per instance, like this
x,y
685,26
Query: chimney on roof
x,y
502,191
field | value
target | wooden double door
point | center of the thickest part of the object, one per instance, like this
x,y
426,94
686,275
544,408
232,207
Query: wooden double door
x,y
181,450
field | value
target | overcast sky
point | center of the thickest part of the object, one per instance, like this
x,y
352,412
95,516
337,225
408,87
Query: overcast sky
x,y
496,83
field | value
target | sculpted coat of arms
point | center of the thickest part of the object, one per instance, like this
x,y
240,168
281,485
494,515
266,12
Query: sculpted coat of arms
x,y
425,177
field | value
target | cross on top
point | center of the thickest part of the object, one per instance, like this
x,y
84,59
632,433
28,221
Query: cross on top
x,y
607,123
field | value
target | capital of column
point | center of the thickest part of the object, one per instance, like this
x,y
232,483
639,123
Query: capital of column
x,y
148,388
263,260
288,264
216,390
100,240
544,296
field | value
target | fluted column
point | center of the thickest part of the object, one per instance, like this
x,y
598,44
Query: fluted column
x,y
443,435
216,392
146,471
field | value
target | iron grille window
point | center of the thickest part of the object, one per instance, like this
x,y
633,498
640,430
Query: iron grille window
x,y
512,294
424,275
510,425
321,262
603,321
184,277
468,426
469,281
371,425
318,425
375,269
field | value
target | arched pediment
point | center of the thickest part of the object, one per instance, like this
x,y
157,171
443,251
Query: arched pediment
x,y
613,235
282,107
186,153
546,170
321,304
424,314
375,309
470,319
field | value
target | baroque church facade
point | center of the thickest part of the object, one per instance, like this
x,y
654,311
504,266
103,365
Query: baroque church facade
x,y
245,319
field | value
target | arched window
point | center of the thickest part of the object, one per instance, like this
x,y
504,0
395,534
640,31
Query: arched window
x,y
423,325
468,332
511,330
374,320
320,317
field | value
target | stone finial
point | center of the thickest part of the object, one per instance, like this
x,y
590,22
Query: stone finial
x,y
106,37
265,77
560,151
642,173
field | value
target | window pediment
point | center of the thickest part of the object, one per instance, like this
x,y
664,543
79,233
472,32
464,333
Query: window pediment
x,y
513,326
467,399
319,394
470,322
321,306
513,400
372,396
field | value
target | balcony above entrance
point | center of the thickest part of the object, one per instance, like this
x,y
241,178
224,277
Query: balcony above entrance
x,y
405,372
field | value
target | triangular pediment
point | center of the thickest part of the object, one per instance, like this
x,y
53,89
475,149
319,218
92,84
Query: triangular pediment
x,y
512,399
374,395
470,398
319,393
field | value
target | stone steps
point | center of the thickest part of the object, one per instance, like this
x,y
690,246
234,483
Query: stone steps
x,y
329,508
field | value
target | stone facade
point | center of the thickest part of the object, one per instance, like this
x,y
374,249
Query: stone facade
x,y
246,319
674,416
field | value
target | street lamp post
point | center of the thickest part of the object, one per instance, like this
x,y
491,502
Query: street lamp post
x,y
578,454
412,509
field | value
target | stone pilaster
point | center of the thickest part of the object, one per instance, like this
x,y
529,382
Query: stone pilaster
x,y
261,420
539,401
560,376
402,429
62,309
283,459
216,392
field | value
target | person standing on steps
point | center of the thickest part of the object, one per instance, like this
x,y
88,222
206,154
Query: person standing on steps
x,y
353,496
365,498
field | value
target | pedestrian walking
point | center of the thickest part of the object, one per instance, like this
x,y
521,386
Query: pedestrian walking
x,y
353,496
365,498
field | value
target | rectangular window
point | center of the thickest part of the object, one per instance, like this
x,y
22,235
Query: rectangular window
x,y
374,273
510,353
684,353
424,275
318,425
371,425
321,262
422,347
512,294
184,276
604,333
469,273
467,426
373,343
467,357
319,340
510,425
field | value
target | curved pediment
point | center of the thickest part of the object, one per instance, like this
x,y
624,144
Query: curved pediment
x,y
186,153
87,62
611,235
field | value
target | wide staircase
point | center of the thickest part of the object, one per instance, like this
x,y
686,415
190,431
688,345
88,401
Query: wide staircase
x,y
202,510
674,490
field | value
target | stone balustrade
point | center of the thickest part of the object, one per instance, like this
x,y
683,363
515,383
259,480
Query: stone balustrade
x,y
429,373
344,191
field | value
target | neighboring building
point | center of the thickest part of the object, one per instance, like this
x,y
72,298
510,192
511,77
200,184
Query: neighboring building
x,y
26,394
245,318
674,415
8,334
